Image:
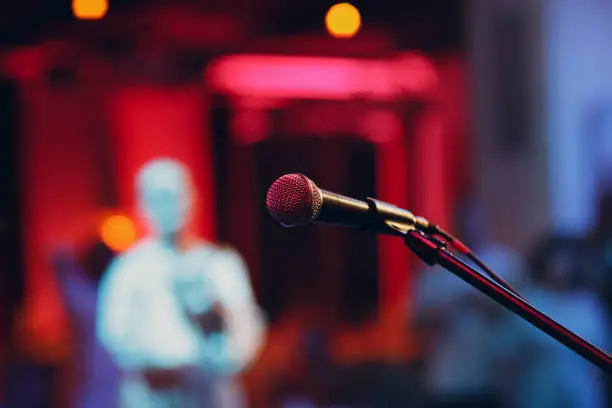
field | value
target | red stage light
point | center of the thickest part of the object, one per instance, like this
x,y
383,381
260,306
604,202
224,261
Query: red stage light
x,y
273,76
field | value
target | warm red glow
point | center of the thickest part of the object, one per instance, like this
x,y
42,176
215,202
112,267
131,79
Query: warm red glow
x,y
25,63
118,232
62,177
343,20
148,123
431,156
381,126
413,72
89,9
392,186
250,125
392,181
321,78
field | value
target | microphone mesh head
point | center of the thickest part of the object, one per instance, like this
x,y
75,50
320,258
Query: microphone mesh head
x,y
294,200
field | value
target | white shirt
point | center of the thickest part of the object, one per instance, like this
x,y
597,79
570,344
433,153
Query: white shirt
x,y
143,320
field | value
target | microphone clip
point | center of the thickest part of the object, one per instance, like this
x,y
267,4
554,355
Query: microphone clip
x,y
427,248
390,219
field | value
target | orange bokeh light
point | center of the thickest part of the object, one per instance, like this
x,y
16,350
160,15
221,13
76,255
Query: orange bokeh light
x,y
118,232
89,9
343,20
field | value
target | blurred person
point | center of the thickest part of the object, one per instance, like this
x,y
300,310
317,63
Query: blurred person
x,y
465,359
177,314
600,243
551,374
96,375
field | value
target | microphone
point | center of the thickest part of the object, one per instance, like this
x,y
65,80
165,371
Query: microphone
x,y
294,200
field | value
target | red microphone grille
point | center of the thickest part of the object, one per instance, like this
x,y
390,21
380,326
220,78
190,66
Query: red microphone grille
x,y
294,200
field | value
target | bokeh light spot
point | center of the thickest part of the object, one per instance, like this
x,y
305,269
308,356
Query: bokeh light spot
x,y
118,232
343,20
89,9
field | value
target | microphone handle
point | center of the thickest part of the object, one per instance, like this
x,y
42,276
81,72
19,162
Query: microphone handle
x,y
370,215
341,210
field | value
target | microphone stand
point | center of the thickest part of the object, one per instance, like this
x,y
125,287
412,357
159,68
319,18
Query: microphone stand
x,y
433,251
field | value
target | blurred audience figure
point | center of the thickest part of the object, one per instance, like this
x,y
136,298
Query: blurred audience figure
x,y
465,361
95,380
552,375
178,314
600,258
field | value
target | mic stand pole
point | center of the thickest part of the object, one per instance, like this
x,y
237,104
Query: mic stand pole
x,y
433,251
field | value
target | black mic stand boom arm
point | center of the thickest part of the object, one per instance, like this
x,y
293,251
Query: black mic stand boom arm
x,y
433,251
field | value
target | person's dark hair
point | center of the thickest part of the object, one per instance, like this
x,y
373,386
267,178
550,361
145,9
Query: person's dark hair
x,y
97,259
550,247
603,230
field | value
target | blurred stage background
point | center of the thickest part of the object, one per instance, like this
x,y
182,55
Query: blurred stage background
x,y
489,117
